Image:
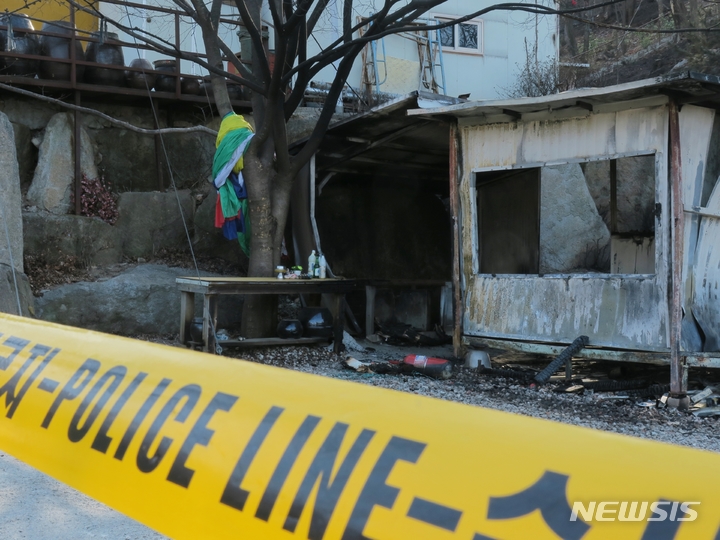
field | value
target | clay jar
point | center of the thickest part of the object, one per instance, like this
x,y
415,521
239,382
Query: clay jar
x,y
165,83
59,47
107,52
140,80
21,43
235,91
189,85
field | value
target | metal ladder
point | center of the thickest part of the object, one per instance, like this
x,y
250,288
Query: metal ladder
x,y
431,59
376,61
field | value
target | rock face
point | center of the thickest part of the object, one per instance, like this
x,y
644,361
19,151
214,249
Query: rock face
x,y
128,158
89,239
566,205
9,295
10,199
29,112
150,221
52,183
143,300
147,222
635,192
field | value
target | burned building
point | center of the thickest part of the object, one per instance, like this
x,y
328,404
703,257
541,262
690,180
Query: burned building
x,y
591,212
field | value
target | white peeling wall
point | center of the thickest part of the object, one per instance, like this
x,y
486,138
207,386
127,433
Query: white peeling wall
x,y
701,258
624,311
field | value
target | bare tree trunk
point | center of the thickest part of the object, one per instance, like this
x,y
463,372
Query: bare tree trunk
x,y
259,312
679,12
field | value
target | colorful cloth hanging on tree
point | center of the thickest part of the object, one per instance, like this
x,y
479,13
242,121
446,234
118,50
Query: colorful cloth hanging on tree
x,y
231,209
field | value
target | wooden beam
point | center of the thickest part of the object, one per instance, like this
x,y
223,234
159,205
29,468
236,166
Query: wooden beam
x,y
392,136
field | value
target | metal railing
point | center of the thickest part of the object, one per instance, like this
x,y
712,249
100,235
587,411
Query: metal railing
x,y
75,82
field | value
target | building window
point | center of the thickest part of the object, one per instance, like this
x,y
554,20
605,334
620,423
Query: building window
x,y
461,37
596,217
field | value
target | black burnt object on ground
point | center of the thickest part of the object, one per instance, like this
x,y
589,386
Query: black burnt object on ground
x,y
396,333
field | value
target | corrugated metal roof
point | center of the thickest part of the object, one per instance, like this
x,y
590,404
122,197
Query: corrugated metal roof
x,y
386,142
688,87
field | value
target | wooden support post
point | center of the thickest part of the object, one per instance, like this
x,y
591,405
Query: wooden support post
x,y
177,58
208,323
77,155
456,253
187,310
338,321
370,291
613,196
678,367
158,150
73,59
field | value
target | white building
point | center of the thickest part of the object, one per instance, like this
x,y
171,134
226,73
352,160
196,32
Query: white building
x,y
480,57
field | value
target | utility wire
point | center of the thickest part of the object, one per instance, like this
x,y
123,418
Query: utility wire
x,y
174,186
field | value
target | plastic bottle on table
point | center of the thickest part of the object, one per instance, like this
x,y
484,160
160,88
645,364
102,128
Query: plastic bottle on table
x,y
312,259
323,266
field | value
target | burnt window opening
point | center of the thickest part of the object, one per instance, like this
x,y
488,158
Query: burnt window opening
x,y
576,218
508,221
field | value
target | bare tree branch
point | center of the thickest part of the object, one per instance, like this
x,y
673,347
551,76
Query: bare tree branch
x,y
315,15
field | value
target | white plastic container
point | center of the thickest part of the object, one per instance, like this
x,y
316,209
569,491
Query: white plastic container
x,y
323,266
311,262
474,359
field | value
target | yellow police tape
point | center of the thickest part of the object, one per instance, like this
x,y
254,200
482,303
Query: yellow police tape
x,y
204,447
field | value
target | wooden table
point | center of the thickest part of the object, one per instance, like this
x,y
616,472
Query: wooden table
x,y
212,287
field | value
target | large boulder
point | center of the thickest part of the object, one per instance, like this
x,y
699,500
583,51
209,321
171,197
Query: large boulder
x,y
635,192
14,286
573,236
152,220
143,300
51,187
89,239
10,199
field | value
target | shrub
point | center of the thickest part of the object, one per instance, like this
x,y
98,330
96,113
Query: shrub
x,y
97,200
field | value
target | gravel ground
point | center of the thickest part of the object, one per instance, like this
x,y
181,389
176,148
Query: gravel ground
x,y
34,506
597,410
